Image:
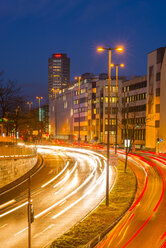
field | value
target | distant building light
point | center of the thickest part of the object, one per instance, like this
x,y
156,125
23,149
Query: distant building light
x,y
57,55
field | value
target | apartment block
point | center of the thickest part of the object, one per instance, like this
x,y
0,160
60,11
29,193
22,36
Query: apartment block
x,y
133,99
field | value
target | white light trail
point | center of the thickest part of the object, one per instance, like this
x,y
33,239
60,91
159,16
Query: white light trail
x,y
50,181
20,231
67,176
81,198
65,198
7,203
58,191
14,209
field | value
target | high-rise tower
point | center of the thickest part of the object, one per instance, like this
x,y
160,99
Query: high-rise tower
x,y
58,71
58,78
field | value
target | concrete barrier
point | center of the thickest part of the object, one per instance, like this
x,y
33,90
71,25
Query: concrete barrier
x,y
15,162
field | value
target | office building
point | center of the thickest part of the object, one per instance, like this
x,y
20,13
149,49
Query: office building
x,y
156,100
58,78
133,100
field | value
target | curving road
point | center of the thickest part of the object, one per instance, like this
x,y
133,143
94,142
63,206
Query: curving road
x,y
69,185
144,225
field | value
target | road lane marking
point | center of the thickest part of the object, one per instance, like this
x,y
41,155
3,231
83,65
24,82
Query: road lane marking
x,y
20,231
3,226
50,181
62,203
7,203
58,191
40,233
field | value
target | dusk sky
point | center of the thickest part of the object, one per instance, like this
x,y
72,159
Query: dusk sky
x,y
31,30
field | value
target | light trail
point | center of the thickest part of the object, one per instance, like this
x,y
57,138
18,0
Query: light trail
x,y
67,176
58,191
6,204
14,209
54,178
20,231
65,198
158,203
81,198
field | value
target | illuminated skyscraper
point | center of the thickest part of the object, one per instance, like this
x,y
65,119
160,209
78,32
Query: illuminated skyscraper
x,y
58,78
58,71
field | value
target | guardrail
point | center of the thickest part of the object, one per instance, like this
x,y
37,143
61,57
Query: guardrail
x,y
16,152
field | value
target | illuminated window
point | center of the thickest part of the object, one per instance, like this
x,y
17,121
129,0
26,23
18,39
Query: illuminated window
x,y
65,105
94,90
113,99
113,122
106,99
94,111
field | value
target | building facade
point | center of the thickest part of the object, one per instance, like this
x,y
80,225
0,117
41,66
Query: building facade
x,y
93,115
58,78
64,111
155,113
133,99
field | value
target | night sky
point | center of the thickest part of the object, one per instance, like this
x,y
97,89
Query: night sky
x,y
31,30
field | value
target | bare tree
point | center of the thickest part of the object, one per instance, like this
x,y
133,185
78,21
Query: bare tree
x,y
10,100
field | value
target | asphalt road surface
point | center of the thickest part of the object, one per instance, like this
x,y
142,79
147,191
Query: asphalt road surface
x,y
70,184
144,225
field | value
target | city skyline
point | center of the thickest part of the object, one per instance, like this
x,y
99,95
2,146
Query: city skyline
x,y
34,31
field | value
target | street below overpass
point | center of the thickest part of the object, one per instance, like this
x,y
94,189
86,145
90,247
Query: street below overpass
x,y
70,184
144,225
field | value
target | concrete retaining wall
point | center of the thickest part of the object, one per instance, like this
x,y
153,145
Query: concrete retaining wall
x,y
15,162
12,169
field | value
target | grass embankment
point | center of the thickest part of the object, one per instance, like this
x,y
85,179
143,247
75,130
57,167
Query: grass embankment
x,y
102,217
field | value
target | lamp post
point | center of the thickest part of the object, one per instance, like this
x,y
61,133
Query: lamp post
x,y
29,103
55,92
101,49
116,102
79,79
39,98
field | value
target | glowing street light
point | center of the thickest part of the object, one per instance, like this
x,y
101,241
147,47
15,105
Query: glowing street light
x,y
79,79
101,49
39,98
29,103
116,134
55,92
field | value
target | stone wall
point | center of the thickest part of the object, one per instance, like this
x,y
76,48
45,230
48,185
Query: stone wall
x,y
15,162
12,169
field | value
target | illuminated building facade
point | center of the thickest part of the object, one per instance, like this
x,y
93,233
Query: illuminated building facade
x,y
94,107
133,98
82,117
102,109
64,110
58,78
156,89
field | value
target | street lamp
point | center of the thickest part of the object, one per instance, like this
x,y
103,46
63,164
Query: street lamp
x,y
117,67
29,103
101,49
55,92
39,98
79,79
